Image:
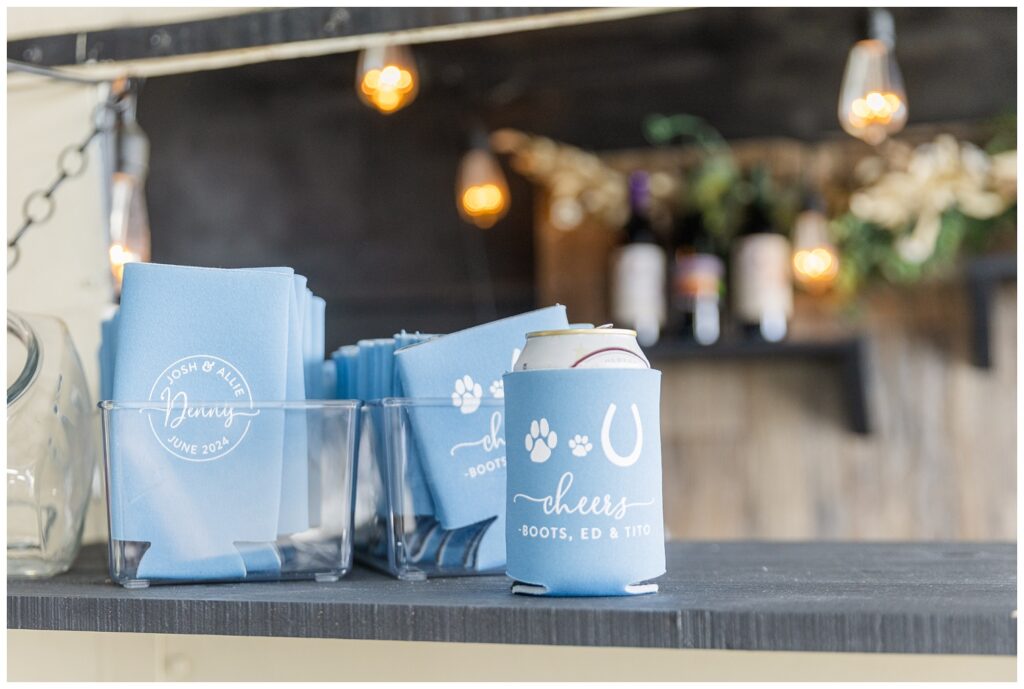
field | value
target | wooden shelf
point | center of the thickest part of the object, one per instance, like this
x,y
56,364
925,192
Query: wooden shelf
x,y
269,27
847,354
844,597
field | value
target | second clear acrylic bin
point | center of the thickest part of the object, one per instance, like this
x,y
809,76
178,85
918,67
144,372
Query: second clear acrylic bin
x,y
228,491
395,525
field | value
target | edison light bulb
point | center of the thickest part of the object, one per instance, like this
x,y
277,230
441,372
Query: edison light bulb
x,y
815,260
481,192
872,102
386,78
129,217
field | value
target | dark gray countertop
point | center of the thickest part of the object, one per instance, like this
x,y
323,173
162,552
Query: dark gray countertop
x,y
892,597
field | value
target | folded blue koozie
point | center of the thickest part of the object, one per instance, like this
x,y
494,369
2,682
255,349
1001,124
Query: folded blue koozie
x,y
462,446
346,361
198,481
293,511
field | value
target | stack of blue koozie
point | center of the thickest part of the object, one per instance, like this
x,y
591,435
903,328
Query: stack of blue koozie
x,y
459,512
183,336
571,485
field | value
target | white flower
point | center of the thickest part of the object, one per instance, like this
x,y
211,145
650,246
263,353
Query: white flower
x,y
936,177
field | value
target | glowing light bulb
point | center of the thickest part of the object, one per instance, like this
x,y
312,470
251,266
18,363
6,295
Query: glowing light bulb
x,y
386,78
872,102
481,190
119,256
815,260
129,216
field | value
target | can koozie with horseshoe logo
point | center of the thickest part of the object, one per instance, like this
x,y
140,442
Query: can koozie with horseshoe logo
x,y
584,509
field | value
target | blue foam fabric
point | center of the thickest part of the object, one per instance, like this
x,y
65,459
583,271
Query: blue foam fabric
x,y
421,499
584,502
293,512
346,361
299,509
329,384
315,390
313,311
108,348
189,335
317,318
263,559
405,339
386,368
463,367
364,370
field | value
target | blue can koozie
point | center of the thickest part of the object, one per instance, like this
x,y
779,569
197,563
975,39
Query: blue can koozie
x,y
584,508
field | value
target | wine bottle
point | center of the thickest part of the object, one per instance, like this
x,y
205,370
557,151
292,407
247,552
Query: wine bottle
x,y
696,282
638,269
762,283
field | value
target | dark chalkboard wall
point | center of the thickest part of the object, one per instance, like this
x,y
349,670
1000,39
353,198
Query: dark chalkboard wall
x,y
280,164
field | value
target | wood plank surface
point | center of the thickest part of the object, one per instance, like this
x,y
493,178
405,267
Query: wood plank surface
x,y
850,597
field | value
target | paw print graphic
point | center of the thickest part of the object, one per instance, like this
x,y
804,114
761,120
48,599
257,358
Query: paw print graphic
x,y
498,389
467,395
580,445
540,441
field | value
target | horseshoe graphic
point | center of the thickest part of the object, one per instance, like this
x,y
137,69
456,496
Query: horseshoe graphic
x,y
606,443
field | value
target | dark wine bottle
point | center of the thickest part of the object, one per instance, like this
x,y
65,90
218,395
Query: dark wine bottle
x,y
638,273
696,282
761,279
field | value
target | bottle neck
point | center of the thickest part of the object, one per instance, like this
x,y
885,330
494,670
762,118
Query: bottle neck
x,y
638,228
690,236
758,221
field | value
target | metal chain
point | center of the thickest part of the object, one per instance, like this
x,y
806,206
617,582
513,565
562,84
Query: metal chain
x,y
40,205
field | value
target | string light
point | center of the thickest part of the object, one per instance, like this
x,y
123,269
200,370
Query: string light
x,y
815,259
387,78
481,191
129,216
872,101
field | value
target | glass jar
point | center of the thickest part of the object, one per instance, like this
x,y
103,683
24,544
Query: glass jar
x,y
52,444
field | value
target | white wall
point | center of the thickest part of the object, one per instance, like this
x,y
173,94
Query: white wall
x,y
64,269
99,657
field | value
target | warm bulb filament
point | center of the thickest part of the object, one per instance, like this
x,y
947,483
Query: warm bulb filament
x,y
388,88
874,108
119,256
483,199
815,264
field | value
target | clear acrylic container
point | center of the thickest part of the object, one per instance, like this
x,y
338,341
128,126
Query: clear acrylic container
x,y
260,491
395,527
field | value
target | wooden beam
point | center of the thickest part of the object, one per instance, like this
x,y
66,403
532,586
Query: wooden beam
x,y
282,34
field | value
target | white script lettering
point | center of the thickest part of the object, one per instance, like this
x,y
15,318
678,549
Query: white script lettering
x,y
597,505
490,442
177,410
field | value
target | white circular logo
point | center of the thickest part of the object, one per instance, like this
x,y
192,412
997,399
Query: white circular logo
x,y
198,431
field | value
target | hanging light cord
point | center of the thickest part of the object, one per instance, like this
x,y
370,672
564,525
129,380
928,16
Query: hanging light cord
x,y
39,205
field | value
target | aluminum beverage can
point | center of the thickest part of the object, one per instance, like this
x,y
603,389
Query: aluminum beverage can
x,y
603,347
